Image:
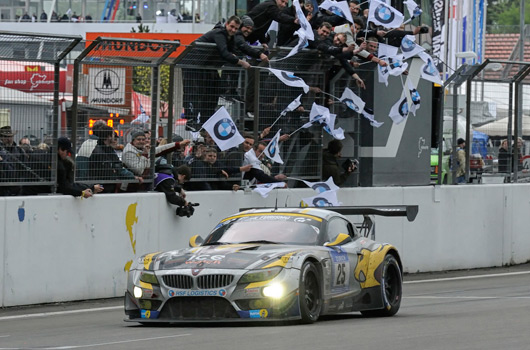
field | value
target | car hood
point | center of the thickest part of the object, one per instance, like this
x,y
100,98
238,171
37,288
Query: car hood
x,y
233,256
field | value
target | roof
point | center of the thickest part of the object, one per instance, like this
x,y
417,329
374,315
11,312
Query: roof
x,y
19,97
500,46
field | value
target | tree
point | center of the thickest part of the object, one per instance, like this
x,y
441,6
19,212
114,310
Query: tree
x,y
506,13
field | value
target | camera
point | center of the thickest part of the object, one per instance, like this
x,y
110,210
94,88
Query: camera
x,y
348,163
424,30
186,210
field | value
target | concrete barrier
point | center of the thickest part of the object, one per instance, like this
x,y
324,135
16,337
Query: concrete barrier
x,y
60,248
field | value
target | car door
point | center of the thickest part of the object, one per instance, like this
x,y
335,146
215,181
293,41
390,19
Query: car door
x,y
343,258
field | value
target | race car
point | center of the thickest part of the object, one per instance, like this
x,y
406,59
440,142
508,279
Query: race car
x,y
272,264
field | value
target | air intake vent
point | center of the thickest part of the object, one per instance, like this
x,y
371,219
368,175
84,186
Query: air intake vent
x,y
178,281
214,281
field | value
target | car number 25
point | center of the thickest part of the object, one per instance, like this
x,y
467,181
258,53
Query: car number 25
x,y
341,269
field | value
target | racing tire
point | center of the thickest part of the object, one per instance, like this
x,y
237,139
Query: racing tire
x,y
391,289
310,293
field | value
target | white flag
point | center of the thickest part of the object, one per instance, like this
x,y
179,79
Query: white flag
x,y
329,127
415,96
320,187
339,8
429,70
350,99
302,43
413,8
319,114
369,114
288,78
397,65
305,28
409,48
324,199
400,110
223,131
265,189
385,52
273,149
292,106
384,15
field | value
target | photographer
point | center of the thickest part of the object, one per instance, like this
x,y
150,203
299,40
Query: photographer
x,y
169,180
331,166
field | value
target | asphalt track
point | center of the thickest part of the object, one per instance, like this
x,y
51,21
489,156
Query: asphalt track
x,y
477,309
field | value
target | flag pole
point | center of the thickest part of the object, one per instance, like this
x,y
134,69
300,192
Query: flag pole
x,y
325,93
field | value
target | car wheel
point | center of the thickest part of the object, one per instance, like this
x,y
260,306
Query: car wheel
x,y
310,295
392,287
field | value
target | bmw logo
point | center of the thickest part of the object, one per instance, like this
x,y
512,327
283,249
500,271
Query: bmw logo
x,y
415,96
321,187
272,148
224,129
404,108
321,202
290,76
348,102
336,10
407,45
383,14
429,68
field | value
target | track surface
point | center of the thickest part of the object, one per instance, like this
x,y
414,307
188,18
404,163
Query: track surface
x,y
478,309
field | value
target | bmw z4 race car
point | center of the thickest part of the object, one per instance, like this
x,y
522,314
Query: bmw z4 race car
x,y
272,264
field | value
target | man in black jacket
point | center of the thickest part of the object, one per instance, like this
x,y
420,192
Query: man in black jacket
x,y
263,14
201,87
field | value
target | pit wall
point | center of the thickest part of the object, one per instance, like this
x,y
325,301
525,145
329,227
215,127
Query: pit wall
x,y
60,248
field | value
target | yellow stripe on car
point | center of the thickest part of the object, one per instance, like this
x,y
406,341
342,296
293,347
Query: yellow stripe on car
x,y
316,218
257,284
148,259
146,285
282,261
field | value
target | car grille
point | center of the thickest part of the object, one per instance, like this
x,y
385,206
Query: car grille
x,y
203,282
214,281
196,308
178,281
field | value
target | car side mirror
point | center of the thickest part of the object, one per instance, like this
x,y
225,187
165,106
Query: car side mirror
x,y
342,238
195,241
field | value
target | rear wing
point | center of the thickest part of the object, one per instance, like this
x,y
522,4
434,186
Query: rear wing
x,y
410,211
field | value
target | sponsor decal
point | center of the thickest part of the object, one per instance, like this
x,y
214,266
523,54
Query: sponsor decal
x,y
263,313
252,291
149,314
341,270
205,259
196,293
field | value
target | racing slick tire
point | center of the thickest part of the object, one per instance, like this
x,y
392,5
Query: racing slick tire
x,y
392,288
310,293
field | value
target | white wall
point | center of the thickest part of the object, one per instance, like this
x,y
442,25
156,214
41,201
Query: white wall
x,y
68,248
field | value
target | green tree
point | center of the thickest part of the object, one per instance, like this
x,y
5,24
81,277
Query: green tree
x,y
506,13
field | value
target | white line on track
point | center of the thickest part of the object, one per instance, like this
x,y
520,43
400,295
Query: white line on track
x,y
96,345
469,277
459,297
4,336
45,314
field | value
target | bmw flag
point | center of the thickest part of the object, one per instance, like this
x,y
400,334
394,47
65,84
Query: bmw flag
x,y
369,114
384,15
265,189
305,27
288,78
409,48
223,131
397,65
415,97
413,8
339,8
385,52
321,186
400,110
324,199
272,150
292,106
319,114
352,101
428,70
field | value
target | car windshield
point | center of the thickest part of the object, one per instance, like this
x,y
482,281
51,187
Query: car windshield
x,y
266,229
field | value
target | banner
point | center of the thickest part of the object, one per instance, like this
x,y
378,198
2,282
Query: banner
x,y
438,33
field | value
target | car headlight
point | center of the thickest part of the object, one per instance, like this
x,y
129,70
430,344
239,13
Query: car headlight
x,y
148,278
260,275
137,291
275,290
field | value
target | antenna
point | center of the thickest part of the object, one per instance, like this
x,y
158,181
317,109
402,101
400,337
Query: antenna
x,y
276,204
286,198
